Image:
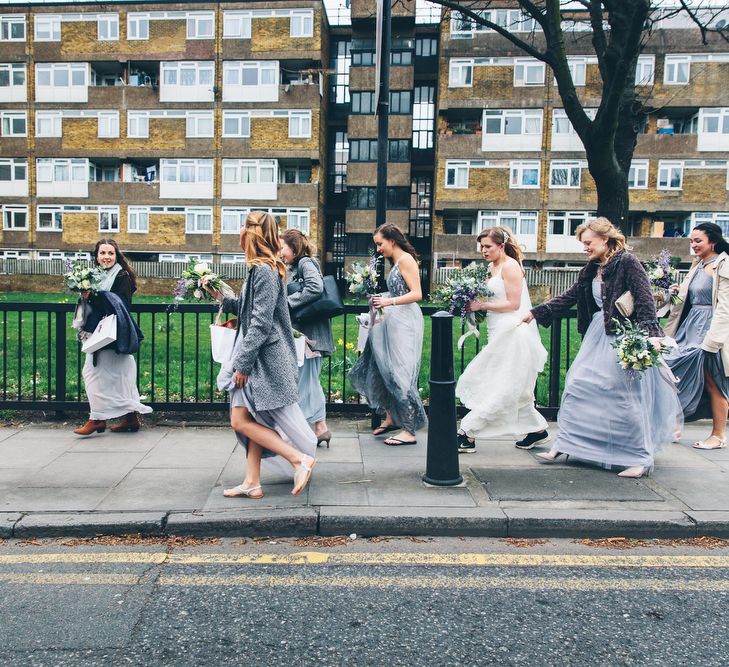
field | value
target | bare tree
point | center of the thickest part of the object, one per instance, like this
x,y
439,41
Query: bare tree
x,y
619,32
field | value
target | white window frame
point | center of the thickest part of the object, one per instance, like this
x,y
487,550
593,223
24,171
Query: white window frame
x,y
298,219
13,210
195,20
239,117
111,214
300,124
56,218
578,69
517,171
639,174
235,187
48,185
51,24
108,125
181,90
15,163
137,26
665,172
565,241
56,120
645,70
458,170
193,122
7,118
522,114
524,224
134,119
193,217
235,90
6,27
237,24
301,23
236,216
74,92
17,184
173,185
671,69
532,119
571,167
111,25
14,92
460,73
524,69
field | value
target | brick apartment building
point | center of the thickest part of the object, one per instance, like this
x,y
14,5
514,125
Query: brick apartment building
x,y
163,124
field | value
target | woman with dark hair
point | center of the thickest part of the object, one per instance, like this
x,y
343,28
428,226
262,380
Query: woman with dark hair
x,y
387,372
296,252
700,324
606,416
498,385
110,374
261,373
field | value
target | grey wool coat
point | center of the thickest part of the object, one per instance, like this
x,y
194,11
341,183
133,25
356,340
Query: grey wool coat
x,y
307,271
264,345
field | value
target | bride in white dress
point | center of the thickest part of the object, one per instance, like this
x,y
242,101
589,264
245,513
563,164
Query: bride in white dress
x,y
498,385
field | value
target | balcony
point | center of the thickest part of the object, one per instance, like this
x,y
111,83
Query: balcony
x,y
461,145
667,145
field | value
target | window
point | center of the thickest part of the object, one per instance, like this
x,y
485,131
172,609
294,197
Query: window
x,y
12,169
250,73
15,218
294,174
363,102
513,121
12,74
60,75
232,220
108,27
199,221
137,220
298,220
456,174
109,124
528,72
645,70
459,223
714,121
426,47
187,171
200,26
638,174
302,24
137,26
363,150
187,73
300,124
361,197
62,170
50,219
398,150
48,124
13,124
108,219
401,101
12,28
522,223
340,61
578,70
676,70
423,117
199,124
236,25
561,223
524,174
47,28
460,73
402,58
250,171
565,175
397,198
670,175
236,124
138,124
363,58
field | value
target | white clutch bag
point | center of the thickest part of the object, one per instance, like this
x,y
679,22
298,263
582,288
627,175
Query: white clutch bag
x,y
104,334
625,304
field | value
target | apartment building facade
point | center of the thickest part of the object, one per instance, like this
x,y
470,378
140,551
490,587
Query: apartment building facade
x,y
160,125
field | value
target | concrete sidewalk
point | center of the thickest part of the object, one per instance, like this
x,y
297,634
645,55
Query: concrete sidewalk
x,y
170,480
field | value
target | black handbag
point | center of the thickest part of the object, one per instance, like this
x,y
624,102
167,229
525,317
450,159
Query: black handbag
x,y
328,305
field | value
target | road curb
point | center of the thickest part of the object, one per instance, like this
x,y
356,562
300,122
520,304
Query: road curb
x,y
89,524
289,522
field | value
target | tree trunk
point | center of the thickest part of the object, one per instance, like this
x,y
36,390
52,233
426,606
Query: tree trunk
x,y
612,197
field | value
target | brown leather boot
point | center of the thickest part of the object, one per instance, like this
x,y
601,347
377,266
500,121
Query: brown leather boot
x,y
129,424
91,426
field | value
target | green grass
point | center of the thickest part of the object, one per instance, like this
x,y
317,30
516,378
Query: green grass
x,y
28,371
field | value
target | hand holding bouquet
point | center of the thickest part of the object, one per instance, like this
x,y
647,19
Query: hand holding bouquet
x,y
636,351
362,279
81,277
662,275
199,279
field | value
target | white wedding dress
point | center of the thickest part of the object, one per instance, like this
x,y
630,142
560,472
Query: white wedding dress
x,y
498,385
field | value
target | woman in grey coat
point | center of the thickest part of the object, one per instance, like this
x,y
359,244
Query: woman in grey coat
x,y
261,373
304,271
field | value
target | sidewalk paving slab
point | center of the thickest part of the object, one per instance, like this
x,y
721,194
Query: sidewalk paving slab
x,y
288,522
92,523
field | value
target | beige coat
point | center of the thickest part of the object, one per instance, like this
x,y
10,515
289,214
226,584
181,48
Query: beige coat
x,y
717,338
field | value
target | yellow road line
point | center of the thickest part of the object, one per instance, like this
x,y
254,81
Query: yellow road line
x,y
67,579
112,557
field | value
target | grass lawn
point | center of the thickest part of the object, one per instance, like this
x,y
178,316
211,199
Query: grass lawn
x,y
171,371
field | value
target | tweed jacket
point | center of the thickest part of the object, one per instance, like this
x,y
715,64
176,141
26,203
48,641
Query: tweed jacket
x,y
264,345
622,273
307,271
717,337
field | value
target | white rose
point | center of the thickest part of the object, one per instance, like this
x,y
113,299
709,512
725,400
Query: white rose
x,y
85,284
658,273
202,267
198,294
358,278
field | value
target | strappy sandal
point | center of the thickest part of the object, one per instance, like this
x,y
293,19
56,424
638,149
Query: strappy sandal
x,y
701,444
242,492
303,474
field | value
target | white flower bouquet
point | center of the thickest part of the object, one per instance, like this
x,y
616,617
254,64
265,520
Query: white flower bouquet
x,y
191,281
362,279
81,277
636,350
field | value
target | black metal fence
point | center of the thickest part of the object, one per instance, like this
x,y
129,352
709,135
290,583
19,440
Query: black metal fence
x,y
42,362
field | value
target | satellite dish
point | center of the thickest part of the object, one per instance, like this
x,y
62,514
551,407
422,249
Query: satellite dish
x,y
720,24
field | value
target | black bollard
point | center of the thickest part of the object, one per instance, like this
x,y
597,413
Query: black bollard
x,y
442,463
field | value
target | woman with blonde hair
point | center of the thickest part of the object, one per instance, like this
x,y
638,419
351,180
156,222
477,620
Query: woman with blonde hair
x,y
498,385
261,374
607,417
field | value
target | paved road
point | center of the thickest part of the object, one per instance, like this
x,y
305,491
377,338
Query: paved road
x,y
396,602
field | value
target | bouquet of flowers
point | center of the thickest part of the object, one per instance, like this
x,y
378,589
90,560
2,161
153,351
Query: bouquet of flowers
x,y
362,279
192,280
81,277
636,352
469,284
662,275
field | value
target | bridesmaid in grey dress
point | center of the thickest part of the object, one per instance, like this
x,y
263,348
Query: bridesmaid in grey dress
x,y
387,372
700,324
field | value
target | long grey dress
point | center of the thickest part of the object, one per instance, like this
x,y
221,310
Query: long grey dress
x,y
605,416
387,372
688,361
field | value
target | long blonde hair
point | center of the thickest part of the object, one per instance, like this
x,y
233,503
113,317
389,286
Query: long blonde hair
x,y
260,243
503,236
603,227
